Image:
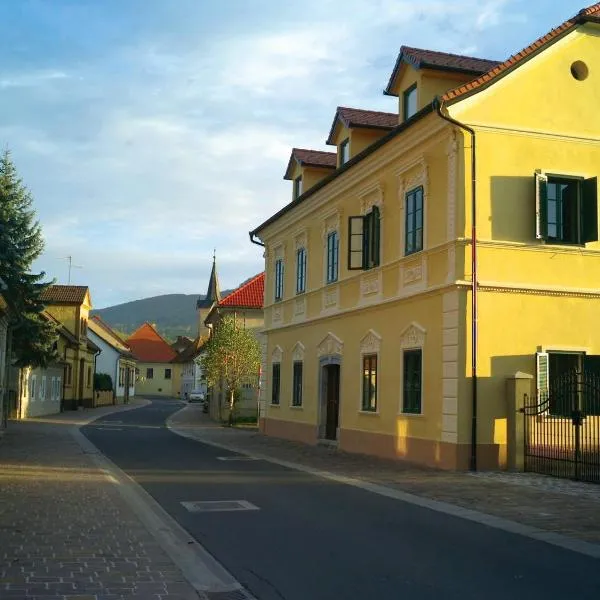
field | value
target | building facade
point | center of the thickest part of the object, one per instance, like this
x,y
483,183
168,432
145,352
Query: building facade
x,y
115,359
440,256
70,305
156,375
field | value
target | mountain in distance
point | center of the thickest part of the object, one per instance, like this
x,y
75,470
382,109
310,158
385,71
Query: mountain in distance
x,y
172,314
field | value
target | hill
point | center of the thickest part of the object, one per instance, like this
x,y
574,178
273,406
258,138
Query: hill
x,y
173,314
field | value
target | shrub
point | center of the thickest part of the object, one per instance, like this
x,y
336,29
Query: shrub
x,y
103,382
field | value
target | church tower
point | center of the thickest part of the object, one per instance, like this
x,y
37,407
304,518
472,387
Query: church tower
x,y
213,296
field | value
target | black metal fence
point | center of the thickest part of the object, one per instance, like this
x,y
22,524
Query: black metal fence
x,y
562,429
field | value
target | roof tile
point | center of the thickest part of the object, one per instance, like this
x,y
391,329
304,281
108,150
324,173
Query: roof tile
x,y
148,345
499,69
249,295
358,117
310,158
64,294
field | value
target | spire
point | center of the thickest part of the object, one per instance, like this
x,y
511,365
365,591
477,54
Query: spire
x,y
213,293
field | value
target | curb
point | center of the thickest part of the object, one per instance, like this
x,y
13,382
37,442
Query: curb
x,y
202,571
549,537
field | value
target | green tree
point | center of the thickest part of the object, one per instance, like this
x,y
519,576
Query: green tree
x,y
231,356
33,337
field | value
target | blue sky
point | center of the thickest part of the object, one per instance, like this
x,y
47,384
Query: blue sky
x,y
152,131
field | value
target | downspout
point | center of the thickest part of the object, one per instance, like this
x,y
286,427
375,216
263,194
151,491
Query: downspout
x,y
255,241
439,106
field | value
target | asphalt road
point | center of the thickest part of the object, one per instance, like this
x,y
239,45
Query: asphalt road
x,y
314,539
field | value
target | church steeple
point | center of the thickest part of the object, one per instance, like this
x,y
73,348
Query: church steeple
x,y
213,296
213,293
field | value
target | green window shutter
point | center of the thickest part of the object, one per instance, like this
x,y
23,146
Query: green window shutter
x,y
355,243
589,210
542,370
376,236
541,206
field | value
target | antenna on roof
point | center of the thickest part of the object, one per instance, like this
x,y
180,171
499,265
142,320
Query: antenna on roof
x,y
71,265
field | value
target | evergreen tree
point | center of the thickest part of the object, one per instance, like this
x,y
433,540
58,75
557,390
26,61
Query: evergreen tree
x,y
33,336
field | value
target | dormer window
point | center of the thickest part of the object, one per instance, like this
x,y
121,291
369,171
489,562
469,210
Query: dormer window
x,y
344,152
298,187
410,102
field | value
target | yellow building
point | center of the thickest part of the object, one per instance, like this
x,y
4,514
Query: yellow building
x,y
157,374
430,260
70,306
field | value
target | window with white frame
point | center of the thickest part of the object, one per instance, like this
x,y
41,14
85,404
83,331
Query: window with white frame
x,y
32,387
276,383
333,252
412,377
364,240
278,279
300,270
413,221
369,382
297,383
43,389
344,151
298,187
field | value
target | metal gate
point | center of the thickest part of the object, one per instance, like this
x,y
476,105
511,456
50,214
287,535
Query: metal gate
x,y
562,429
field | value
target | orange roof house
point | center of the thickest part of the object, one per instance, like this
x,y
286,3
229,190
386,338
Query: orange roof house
x,y
148,345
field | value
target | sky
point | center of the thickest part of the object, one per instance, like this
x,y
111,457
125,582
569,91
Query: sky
x,y
151,132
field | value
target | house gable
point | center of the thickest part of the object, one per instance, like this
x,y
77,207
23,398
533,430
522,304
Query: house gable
x,y
544,92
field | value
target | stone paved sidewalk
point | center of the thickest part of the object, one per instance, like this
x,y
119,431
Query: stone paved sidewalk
x,y
559,506
65,531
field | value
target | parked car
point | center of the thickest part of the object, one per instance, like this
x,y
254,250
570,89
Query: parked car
x,y
196,396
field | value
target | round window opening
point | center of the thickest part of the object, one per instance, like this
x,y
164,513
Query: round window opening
x,y
579,70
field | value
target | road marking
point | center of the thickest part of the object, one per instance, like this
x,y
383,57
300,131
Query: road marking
x,y
238,458
110,428
218,505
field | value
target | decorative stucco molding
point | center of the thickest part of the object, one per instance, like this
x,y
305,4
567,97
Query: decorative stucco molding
x,y
298,352
331,344
330,222
371,343
277,354
413,336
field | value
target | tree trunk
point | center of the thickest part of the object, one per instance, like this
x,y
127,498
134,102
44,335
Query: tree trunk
x,y
231,406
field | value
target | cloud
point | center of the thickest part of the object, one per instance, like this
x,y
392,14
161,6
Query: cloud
x,y
31,79
150,152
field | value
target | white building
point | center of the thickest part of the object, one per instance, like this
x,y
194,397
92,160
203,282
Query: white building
x,y
115,359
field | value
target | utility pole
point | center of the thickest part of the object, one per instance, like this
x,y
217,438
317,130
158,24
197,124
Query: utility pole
x,y
71,266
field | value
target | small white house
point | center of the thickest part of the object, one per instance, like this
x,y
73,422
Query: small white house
x,y
191,369
115,359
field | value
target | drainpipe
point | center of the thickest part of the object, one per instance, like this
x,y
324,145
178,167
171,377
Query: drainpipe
x,y
255,241
439,106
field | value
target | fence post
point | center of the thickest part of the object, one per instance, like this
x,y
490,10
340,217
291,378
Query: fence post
x,y
517,387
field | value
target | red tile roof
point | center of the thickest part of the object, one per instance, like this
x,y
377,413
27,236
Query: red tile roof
x,y
64,294
442,61
148,345
310,158
249,295
358,117
591,13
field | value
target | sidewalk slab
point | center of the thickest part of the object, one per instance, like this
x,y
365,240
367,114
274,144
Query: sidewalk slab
x,y
65,531
558,509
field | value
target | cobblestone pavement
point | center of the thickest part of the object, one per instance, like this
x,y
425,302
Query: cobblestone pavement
x,y
564,507
65,531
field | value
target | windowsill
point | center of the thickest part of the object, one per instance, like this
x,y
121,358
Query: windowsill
x,y
413,252
331,282
277,300
275,405
410,414
553,242
371,413
296,407
301,293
